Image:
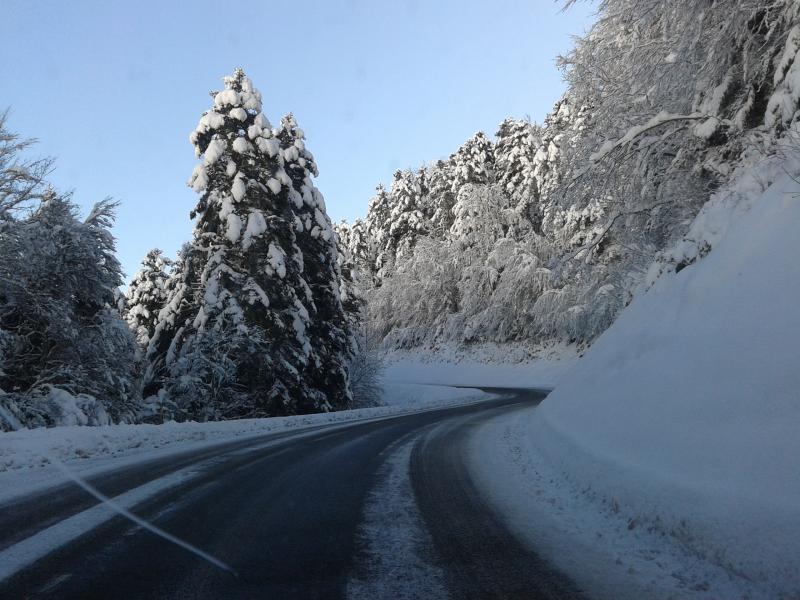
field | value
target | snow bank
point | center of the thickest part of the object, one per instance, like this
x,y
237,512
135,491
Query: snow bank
x,y
414,395
485,365
25,455
686,412
605,550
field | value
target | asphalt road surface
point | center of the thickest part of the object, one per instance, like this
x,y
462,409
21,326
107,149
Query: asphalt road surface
x,y
283,512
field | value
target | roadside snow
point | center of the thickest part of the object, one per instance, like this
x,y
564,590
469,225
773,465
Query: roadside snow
x,y
606,550
486,365
26,455
416,395
677,433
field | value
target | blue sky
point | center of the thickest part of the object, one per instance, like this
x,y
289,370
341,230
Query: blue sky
x,y
113,89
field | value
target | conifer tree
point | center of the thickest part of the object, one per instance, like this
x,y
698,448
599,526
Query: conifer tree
x,y
514,153
378,221
233,339
147,295
441,197
407,220
316,241
356,243
351,296
473,162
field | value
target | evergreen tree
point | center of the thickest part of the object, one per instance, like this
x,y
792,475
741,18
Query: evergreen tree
x,y
356,243
407,220
351,297
514,153
473,162
147,294
233,337
441,198
316,242
378,221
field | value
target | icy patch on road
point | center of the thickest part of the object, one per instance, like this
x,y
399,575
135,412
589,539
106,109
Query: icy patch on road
x,y
586,535
395,548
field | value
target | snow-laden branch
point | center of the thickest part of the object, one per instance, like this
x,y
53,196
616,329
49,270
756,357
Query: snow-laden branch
x,y
634,132
587,248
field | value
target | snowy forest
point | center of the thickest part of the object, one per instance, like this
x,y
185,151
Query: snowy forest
x,y
547,231
543,233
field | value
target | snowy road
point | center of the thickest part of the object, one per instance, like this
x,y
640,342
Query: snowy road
x,y
287,513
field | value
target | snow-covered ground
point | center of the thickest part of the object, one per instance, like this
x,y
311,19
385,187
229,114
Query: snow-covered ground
x,y
485,365
26,456
668,462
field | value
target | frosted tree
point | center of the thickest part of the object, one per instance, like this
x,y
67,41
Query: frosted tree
x,y
440,197
673,102
146,296
473,162
356,242
351,295
407,221
241,299
547,234
316,241
365,363
22,180
70,359
378,222
514,153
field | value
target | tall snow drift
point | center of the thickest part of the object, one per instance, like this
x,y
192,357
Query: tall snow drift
x,y
687,410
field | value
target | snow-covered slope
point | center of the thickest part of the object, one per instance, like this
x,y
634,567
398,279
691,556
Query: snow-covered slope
x,y
685,414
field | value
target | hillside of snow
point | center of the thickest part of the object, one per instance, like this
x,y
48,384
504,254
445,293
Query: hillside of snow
x,y
684,415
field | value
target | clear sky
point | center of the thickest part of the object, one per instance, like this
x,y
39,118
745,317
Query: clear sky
x,y
113,89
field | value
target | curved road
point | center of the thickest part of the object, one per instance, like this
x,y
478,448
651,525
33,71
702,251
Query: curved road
x,y
283,511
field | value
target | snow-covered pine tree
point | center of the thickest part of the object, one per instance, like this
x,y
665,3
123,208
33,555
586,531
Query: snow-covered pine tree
x,y
329,328
514,153
440,198
233,336
473,162
378,222
355,240
350,294
178,307
407,221
146,296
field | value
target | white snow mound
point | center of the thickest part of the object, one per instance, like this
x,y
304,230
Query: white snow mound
x,y
686,411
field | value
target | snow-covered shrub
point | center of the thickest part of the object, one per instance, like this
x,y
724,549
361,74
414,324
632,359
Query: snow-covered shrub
x,y
58,277
49,406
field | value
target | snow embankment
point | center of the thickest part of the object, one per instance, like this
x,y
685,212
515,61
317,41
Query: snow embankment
x,y
26,456
683,419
